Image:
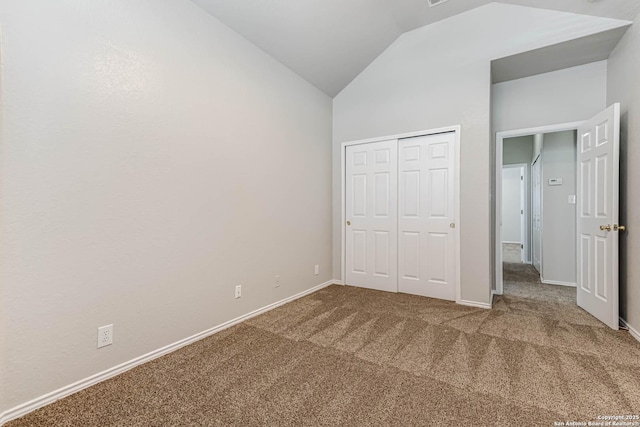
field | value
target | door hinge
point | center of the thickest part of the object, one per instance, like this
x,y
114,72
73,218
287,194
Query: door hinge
x,y
521,212
521,246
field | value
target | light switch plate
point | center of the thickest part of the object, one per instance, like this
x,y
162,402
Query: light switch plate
x,y
572,200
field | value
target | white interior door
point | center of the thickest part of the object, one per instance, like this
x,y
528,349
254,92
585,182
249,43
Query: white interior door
x,y
371,213
536,213
426,220
523,219
598,190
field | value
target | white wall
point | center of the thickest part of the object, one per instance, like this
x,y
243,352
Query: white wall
x,y
517,150
623,86
564,96
558,215
511,199
152,159
439,75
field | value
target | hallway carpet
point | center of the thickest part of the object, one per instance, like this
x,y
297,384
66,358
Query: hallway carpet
x,y
346,356
523,281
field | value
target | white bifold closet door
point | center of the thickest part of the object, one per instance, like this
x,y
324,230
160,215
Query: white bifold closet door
x,y
400,201
426,218
371,205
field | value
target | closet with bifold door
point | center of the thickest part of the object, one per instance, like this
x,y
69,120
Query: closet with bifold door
x,y
400,215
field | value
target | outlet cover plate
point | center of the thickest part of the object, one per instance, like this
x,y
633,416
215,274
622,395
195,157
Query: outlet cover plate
x,y
105,336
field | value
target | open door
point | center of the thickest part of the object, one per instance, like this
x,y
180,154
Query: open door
x,y
536,213
523,216
598,190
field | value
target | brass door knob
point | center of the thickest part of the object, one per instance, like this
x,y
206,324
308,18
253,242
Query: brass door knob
x,y
617,227
348,222
605,227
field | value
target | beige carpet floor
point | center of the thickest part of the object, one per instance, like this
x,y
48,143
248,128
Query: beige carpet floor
x,y
346,356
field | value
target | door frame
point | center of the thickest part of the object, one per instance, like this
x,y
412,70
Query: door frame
x,y
497,173
524,207
343,148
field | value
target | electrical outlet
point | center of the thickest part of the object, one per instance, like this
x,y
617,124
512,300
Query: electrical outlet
x,y
105,335
238,291
317,270
277,281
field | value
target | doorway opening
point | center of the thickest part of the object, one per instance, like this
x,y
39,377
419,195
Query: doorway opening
x,y
536,213
574,183
538,216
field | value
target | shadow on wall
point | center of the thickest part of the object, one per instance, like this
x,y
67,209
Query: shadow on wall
x,y
622,253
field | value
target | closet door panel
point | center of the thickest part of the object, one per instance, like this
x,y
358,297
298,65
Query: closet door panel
x,y
426,218
371,206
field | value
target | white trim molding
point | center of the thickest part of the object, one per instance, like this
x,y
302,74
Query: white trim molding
x,y
39,402
475,304
555,282
635,334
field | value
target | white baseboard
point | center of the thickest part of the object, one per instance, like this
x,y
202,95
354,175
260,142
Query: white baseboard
x,y
474,304
632,331
68,390
554,282
338,282
512,243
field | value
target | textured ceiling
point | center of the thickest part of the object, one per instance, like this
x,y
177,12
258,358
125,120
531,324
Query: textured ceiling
x,y
330,42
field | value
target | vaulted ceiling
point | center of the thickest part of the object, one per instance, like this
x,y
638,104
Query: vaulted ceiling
x,y
330,42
